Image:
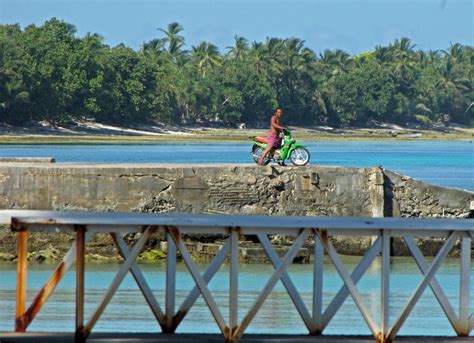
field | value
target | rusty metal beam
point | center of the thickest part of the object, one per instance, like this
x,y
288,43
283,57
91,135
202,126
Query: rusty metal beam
x,y
21,280
80,285
48,288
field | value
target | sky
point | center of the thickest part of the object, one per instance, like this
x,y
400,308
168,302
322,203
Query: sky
x,y
352,25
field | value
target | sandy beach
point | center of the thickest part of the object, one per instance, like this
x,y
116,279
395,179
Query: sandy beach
x,y
91,132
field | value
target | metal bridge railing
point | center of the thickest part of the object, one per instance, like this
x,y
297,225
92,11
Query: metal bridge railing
x,y
85,224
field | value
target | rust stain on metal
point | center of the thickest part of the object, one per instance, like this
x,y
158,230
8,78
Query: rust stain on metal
x,y
44,294
83,333
235,333
152,228
21,280
174,232
20,324
234,228
80,228
171,326
323,235
17,225
380,338
228,334
80,270
168,329
180,316
80,335
49,221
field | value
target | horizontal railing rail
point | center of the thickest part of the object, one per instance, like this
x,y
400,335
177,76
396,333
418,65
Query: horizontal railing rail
x,y
316,319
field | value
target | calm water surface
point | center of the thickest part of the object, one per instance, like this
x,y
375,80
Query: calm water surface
x,y
446,163
128,311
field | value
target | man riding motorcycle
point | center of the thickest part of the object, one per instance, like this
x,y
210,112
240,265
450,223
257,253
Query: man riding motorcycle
x,y
273,138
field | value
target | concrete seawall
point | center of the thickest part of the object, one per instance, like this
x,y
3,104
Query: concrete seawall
x,y
245,189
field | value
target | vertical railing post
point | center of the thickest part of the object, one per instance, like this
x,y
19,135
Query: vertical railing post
x,y
21,280
234,282
385,284
464,299
80,268
318,284
170,284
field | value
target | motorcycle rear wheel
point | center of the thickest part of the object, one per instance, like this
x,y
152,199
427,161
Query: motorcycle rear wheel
x,y
257,152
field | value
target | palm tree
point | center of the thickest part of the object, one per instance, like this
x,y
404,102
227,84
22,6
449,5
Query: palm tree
x,y
258,57
273,45
450,79
294,61
382,54
155,50
155,46
335,63
404,44
240,49
455,52
92,46
175,40
291,53
403,57
206,57
14,94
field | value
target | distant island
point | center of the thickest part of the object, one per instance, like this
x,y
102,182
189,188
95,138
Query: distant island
x,y
49,75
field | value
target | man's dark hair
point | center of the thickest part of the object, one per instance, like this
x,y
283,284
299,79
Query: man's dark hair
x,y
278,108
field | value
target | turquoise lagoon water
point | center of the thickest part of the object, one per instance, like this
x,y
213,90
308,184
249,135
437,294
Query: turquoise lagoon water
x,y
445,163
128,311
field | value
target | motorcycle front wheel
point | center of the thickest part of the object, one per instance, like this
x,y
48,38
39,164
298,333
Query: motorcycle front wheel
x,y
300,156
257,152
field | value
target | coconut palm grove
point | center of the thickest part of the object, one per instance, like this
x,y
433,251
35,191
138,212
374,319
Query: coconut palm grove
x,y
48,73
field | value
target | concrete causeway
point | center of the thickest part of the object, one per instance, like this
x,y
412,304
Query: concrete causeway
x,y
226,188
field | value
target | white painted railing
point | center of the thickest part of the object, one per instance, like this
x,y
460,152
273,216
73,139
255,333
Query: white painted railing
x,y
85,224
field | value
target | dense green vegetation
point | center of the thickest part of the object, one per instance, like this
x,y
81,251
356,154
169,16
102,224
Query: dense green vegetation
x,y
47,73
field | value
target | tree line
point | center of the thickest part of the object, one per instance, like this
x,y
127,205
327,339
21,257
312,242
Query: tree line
x,y
48,73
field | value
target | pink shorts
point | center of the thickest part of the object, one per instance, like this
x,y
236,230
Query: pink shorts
x,y
273,141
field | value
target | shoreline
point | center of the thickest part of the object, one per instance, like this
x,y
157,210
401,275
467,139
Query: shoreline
x,y
120,135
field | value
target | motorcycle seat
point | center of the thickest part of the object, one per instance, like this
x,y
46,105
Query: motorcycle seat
x,y
261,139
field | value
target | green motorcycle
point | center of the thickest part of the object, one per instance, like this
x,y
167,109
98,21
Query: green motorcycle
x,y
297,153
